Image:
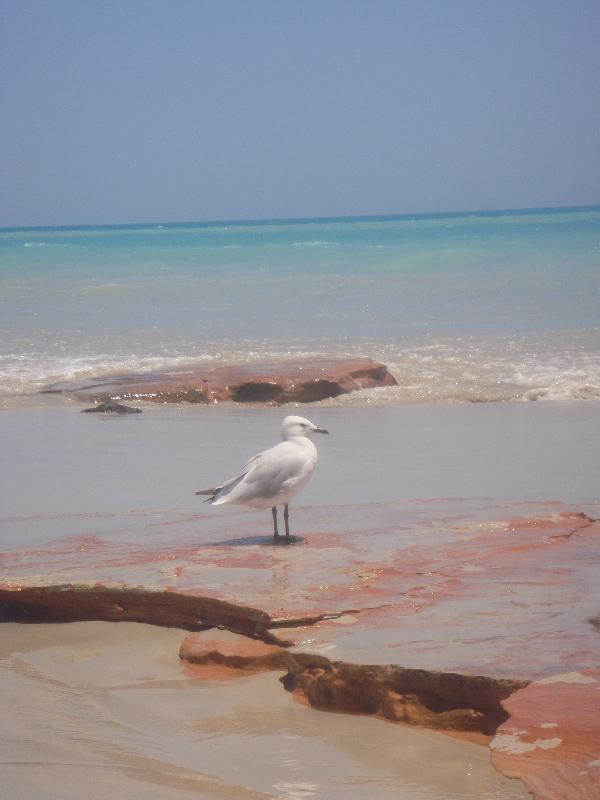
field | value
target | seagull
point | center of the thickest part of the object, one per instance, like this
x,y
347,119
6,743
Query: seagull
x,y
275,476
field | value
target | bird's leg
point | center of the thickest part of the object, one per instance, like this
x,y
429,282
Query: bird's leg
x,y
286,519
275,531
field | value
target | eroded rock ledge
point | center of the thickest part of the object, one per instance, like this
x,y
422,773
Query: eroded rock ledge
x,y
468,586
276,382
444,701
85,602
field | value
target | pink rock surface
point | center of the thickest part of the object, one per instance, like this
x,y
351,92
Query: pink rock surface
x,y
552,739
220,649
450,585
279,382
460,586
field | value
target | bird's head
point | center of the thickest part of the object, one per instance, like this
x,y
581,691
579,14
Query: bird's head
x,y
298,426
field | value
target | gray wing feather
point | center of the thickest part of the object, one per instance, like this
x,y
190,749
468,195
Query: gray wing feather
x,y
218,489
267,474
230,483
273,475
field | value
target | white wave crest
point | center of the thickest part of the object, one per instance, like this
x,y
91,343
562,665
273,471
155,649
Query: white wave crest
x,y
315,243
554,367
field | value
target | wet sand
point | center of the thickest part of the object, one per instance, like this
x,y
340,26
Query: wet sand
x,y
104,709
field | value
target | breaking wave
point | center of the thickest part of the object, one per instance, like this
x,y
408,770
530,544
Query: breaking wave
x,y
559,366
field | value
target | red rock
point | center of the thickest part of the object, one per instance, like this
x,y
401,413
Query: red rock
x,y
464,704
437,586
236,652
552,739
447,586
78,602
282,382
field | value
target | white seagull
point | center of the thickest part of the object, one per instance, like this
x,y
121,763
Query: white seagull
x,y
275,476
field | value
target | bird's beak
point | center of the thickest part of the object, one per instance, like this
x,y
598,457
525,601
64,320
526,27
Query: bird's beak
x,y
319,430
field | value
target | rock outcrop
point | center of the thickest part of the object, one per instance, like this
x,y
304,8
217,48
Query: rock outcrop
x,y
474,599
79,602
221,649
447,701
551,739
433,699
282,382
462,704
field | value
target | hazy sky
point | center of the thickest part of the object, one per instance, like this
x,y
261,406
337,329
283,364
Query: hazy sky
x,y
173,110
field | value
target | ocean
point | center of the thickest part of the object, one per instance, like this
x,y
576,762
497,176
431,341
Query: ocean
x,y
480,306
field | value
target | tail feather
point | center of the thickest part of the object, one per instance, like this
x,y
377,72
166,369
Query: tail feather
x,y
226,487
212,493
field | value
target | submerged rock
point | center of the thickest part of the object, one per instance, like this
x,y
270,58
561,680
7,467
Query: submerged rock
x,y
110,407
281,382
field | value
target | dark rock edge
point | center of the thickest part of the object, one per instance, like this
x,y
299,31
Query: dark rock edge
x,y
110,407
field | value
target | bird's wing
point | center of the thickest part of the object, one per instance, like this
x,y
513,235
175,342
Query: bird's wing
x,y
216,489
226,485
275,470
266,475
254,458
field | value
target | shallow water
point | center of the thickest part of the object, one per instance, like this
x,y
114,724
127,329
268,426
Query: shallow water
x,y
481,306
59,462
100,708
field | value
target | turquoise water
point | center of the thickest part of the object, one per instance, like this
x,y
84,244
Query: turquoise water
x,y
487,306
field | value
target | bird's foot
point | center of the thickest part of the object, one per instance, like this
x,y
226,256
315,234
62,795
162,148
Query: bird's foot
x,y
284,540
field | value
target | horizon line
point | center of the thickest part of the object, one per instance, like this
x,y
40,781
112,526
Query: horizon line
x,y
283,220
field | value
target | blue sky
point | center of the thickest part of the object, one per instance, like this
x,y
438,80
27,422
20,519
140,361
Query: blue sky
x,y
169,110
